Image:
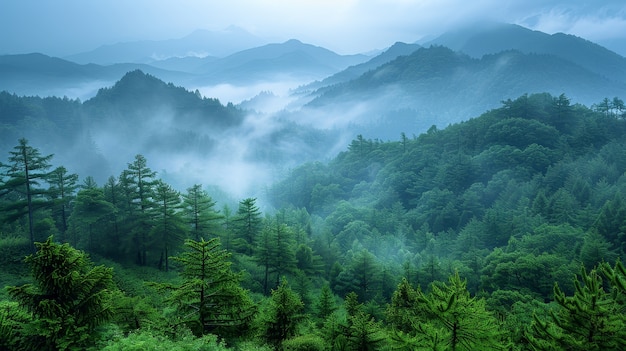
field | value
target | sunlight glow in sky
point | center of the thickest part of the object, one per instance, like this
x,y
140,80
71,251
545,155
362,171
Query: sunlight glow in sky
x,y
65,27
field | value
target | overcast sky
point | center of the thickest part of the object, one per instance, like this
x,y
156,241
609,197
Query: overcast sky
x,y
61,27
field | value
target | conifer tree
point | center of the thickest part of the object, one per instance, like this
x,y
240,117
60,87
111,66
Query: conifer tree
x,y
326,302
210,299
447,318
68,300
404,308
592,319
89,209
359,331
248,223
200,212
283,315
168,231
26,169
227,227
62,190
274,251
140,181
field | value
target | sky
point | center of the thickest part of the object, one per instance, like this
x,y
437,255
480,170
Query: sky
x,y
64,27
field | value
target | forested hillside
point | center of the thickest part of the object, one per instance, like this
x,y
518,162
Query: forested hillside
x,y
177,129
503,232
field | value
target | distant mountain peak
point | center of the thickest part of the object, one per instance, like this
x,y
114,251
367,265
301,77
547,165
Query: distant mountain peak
x,y
293,42
494,37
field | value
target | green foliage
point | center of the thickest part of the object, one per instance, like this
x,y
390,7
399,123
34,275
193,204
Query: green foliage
x,y
304,343
12,321
514,200
283,315
139,182
275,251
90,209
68,300
591,319
62,190
247,225
325,303
199,211
168,231
445,318
148,340
24,173
210,299
12,253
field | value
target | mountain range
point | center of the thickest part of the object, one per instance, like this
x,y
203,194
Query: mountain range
x,y
156,105
200,43
491,38
39,74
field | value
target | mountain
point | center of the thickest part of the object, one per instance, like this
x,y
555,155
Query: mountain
x,y
200,43
438,86
352,72
197,139
38,74
491,38
288,60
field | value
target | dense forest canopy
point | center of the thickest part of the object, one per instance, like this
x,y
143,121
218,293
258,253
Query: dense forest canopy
x,y
501,232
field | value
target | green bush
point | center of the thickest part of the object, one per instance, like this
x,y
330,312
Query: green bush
x,y
305,343
147,340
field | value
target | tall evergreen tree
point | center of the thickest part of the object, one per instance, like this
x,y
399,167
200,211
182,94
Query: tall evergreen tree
x,y
227,227
447,318
89,209
24,173
168,231
112,194
248,224
200,213
62,190
274,250
141,181
68,300
592,319
210,299
283,315
325,302
361,276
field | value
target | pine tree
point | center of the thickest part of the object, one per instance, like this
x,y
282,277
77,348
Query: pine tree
x,y
210,299
404,308
445,319
140,180
112,194
362,276
62,190
247,225
592,319
326,302
68,300
200,213
274,251
283,315
359,331
24,172
227,227
364,333
90,208
168,231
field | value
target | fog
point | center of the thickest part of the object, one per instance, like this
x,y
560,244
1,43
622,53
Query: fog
x,y
242,161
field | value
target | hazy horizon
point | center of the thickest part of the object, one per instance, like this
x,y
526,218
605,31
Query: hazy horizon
x,y
68,27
